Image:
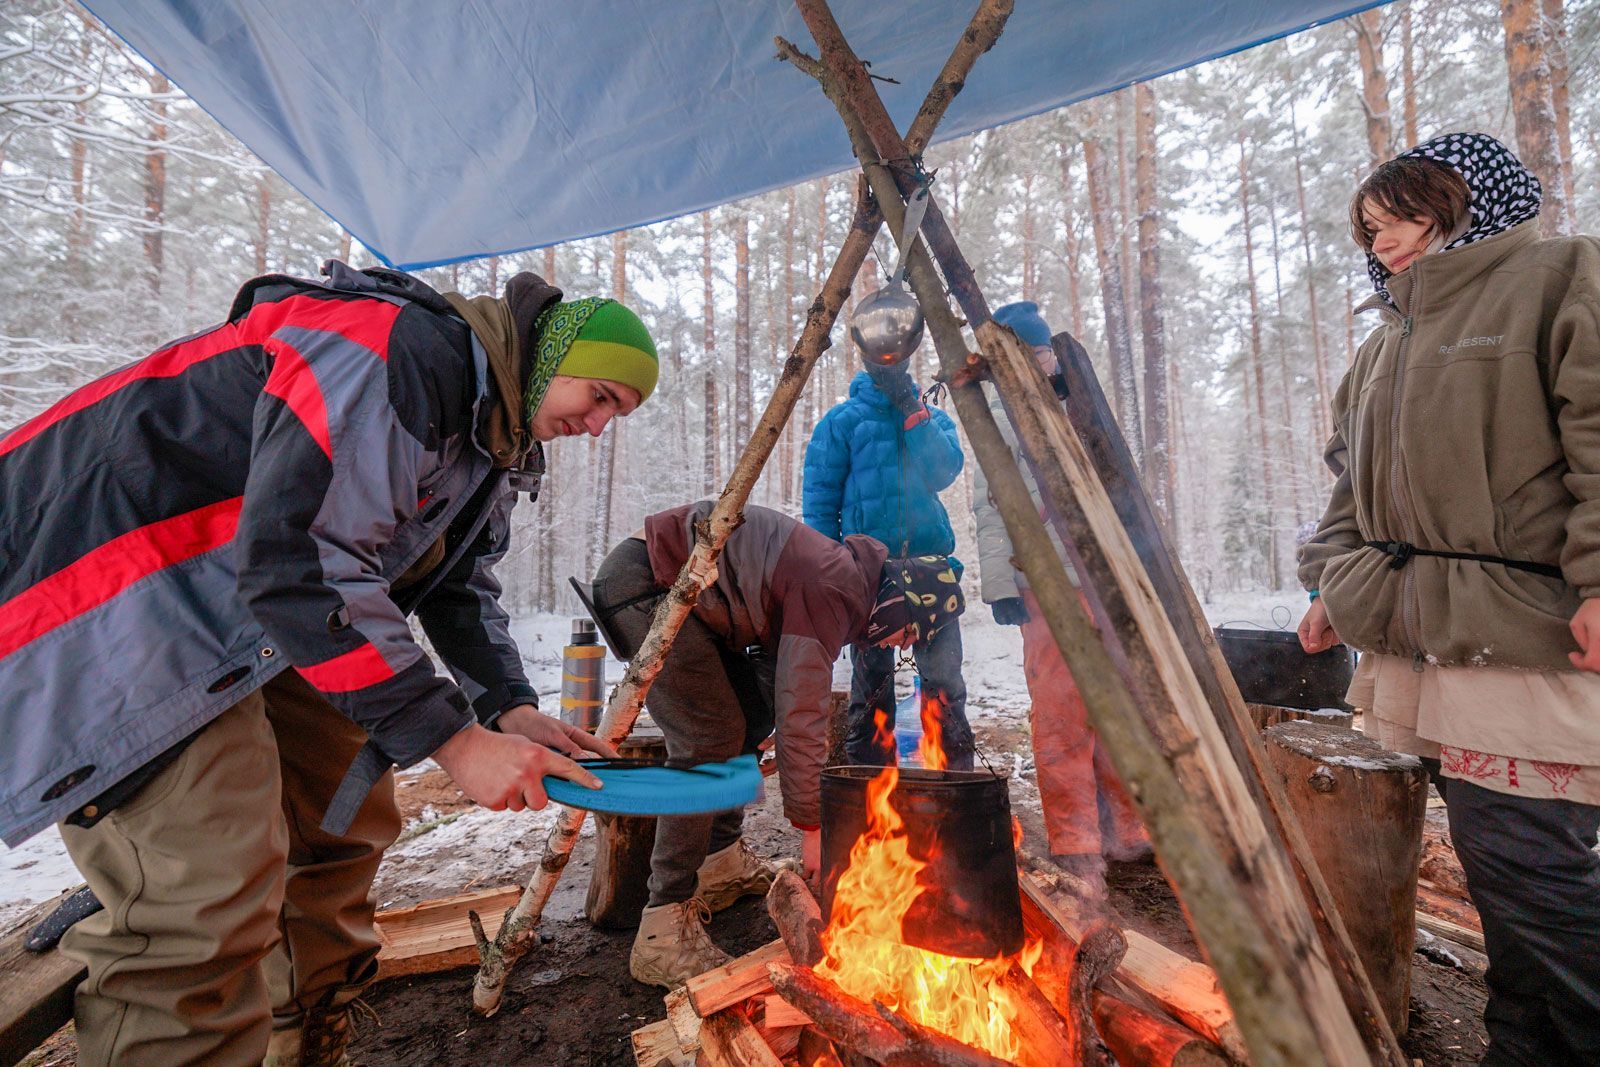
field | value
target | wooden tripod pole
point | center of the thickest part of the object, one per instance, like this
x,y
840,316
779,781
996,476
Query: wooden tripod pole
x,y
1230,870
516,935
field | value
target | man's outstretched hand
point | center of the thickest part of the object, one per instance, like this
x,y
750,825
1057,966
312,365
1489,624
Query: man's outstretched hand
x,y
505,771
549,731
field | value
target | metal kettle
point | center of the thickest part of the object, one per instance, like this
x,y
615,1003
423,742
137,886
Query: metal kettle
x,y
887,325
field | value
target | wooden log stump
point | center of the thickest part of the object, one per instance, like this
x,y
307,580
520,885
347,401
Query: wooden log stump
x,y
1265,715
618,885
1361,807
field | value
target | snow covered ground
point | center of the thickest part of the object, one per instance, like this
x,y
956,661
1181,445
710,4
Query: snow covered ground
x,y
40,869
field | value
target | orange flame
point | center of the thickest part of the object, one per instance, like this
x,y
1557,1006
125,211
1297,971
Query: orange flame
x,y
866,956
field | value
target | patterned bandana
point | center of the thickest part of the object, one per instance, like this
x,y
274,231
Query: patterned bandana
x,y
917,591
556,327
1503,191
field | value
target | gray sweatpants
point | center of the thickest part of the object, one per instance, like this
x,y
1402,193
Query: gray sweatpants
x,y
712,703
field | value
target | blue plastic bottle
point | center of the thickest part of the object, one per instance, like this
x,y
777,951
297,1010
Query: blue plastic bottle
x,y
908,723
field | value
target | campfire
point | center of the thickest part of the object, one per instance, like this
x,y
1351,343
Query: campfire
x,y
858,990
865,951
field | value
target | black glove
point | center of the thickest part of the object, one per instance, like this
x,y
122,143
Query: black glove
x,y
895,383
1010,612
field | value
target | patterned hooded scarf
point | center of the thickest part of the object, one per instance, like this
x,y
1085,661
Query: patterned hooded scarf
x,y
1503,191
556,328
918,591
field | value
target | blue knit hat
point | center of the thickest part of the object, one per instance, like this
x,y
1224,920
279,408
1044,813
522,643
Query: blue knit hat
x,y
1024,320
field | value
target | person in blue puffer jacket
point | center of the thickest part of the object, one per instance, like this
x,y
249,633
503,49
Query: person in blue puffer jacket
x,y
875,465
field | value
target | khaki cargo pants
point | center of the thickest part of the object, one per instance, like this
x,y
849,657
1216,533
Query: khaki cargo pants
x,y
226,905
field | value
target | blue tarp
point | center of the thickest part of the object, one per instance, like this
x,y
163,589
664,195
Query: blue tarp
x,y
436,130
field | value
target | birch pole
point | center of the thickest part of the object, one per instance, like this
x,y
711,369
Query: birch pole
x,y
517,933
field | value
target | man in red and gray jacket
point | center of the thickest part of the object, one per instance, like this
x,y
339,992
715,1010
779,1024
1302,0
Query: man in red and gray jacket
x,y
755,659
207,563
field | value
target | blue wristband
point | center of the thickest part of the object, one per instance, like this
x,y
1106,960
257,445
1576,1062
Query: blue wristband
x,y
1315,593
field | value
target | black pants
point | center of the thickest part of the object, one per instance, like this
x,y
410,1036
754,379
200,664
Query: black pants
x,y
712,703
872,691
1535,879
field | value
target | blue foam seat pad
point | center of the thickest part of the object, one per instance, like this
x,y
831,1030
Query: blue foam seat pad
x,y
640,788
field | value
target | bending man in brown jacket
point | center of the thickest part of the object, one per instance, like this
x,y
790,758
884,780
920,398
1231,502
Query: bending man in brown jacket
x,y
755,659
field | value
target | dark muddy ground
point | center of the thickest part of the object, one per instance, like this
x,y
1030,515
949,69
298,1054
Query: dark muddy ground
x,y
572,1002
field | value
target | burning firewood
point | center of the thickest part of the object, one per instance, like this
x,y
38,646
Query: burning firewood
x,y
878,1034
1095,956
1140,1038
797,916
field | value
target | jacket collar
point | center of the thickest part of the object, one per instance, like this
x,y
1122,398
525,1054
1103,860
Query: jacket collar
x,y
1444,274
863,389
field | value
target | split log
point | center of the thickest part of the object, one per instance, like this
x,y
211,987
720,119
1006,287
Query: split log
x,y
1232,872
35,987
619,881
1140,1039
685,1023
876,1033
1361,807
728,1039
438,935
518,932
1150,971
656,1045
797,916
739,979
778,1013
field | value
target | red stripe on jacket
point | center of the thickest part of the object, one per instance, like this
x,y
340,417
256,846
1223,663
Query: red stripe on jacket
x,y
97,576
356,669
293,382
363,322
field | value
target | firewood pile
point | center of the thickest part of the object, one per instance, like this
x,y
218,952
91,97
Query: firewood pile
x,y
1095,995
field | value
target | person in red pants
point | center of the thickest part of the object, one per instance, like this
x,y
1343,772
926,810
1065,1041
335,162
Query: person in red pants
x,y
1088,817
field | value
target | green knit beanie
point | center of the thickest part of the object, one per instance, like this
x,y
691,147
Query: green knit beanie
x,y
595,337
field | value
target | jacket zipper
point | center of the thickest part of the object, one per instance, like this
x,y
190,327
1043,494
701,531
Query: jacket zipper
x,y
1408,582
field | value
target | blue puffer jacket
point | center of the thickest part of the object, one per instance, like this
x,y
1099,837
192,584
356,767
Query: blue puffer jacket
x,y
866,475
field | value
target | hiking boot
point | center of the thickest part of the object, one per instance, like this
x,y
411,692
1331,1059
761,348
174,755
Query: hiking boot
x,y
733,873
318,1038
1084,876
672,945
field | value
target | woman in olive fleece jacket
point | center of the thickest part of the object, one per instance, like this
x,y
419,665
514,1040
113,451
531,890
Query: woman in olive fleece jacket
x,y
1460,553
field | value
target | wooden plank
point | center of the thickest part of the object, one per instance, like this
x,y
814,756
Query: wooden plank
x,y
435,935
735,980
35,987
656,1045
1450,931
728,1039
1185,989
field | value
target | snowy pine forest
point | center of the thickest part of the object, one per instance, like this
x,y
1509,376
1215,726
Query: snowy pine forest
x,y
1192,231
